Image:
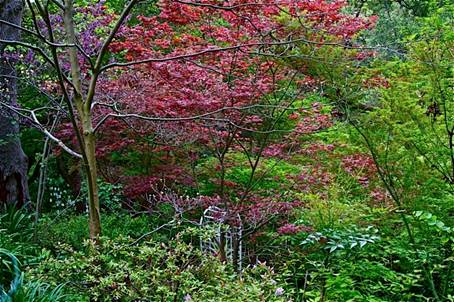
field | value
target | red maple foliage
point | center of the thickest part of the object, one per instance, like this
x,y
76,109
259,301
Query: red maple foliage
x,y
211,79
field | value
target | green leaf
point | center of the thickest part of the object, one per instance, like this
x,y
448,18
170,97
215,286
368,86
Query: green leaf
x,y
440,224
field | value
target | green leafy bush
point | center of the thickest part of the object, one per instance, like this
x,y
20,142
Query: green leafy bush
x,y
73,230
120,270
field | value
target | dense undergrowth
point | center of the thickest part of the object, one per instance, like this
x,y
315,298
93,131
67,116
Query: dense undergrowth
x,y
341,263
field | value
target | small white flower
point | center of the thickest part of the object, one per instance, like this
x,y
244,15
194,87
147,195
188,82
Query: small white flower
x,y
279,291
187,298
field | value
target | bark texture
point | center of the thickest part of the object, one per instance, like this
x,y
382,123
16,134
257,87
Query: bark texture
x,y
85,114
13,161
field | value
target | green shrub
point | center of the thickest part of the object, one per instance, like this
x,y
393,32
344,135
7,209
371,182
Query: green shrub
x,y
73,230
120,270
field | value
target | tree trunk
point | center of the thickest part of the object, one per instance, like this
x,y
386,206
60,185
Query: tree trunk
x,y
222,243
86,118
91,171
236,249
13,161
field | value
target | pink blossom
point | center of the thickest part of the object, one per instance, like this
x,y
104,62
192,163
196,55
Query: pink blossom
x,y
291,229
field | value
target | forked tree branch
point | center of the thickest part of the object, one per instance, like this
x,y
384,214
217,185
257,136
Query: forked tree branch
x,y
34,120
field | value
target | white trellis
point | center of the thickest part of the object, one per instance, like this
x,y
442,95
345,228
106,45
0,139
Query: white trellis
x,y
216,216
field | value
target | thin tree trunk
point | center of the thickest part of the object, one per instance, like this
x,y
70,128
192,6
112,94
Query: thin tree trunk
x,y
13,161
93,196
236,249
85,115
222,244
42,180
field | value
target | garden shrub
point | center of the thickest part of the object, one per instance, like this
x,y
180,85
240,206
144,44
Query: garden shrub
x,y
121,270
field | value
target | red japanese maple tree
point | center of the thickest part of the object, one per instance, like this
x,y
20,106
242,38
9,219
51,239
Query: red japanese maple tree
x,y
213,71
216,78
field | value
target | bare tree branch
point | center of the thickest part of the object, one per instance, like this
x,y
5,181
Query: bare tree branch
x,y
33,118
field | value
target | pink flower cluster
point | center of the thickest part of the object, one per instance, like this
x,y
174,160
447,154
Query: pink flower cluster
x,y
291,229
